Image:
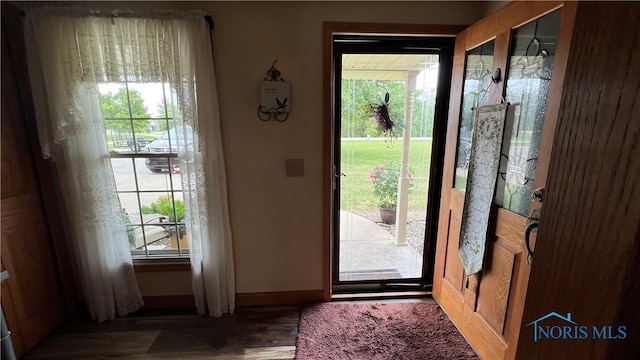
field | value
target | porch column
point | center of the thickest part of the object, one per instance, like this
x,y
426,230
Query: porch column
x,y
403,180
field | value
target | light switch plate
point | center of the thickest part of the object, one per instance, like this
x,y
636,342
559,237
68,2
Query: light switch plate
x,y
295,167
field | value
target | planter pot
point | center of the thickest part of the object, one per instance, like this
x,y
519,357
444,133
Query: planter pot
x,y
388,216
184,243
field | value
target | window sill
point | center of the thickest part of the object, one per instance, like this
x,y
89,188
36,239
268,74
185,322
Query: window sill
x,y
161,265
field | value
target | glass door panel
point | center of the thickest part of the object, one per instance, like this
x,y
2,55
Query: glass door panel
x,y
477,83
533,48
376,242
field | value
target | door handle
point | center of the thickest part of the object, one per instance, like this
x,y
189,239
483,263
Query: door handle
x,y
531,226
335,176
527,236
335,172
538,196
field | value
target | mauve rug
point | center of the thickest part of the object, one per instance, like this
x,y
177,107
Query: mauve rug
x,y
401,330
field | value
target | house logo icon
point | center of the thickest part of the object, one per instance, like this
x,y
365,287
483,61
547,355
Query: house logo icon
x,y
549,315
571,330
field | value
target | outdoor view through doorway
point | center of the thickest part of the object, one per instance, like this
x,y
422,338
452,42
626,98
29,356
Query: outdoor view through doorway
x,y
382,172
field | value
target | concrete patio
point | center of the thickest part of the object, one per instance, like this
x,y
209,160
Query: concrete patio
x,y
369,252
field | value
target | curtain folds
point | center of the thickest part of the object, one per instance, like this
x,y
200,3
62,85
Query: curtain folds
x,y
70,51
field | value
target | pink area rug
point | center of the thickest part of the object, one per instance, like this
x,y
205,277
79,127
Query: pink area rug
x,y
396,330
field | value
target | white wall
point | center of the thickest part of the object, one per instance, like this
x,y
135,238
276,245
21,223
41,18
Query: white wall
x,y
277,221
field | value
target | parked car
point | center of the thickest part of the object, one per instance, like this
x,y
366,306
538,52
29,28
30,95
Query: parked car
x,y
168,143
136,144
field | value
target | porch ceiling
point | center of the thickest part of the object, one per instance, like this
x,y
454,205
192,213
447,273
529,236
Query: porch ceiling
x,y
384,66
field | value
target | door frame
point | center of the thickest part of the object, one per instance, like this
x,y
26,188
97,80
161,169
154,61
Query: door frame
x,y
328,30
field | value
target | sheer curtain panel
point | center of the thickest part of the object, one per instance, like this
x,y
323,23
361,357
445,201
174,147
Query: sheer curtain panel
x,y
70,51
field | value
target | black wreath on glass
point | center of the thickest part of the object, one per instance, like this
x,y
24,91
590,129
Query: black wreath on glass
x,y
382,117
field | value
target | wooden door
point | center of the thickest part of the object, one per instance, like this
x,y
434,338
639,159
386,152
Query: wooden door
x,y
31,298
586,260
529,43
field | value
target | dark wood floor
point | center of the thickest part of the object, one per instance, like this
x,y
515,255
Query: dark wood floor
x,y
256,332
251,333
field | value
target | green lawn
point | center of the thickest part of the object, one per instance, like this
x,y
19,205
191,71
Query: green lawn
x,y
359,156
115,143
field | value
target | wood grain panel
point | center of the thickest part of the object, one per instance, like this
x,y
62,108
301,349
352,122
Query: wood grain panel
x,y
31,297
256,332
15,175
486,342
453,270
9,311
382,28
500,61
457,201
589,237
161,267
170,302
43,173
493,301
509,227
449,165
327,159
34,289
452,302
493,291
510,16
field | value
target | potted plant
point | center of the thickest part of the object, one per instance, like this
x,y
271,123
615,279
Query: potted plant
x,y
176,232
385,188
175,228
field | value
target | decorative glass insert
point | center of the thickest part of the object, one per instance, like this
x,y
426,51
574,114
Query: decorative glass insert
x,y
528,82
477,83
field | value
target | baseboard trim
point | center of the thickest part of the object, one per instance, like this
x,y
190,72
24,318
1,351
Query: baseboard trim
x,y
169,302
399,295
242,299
279,298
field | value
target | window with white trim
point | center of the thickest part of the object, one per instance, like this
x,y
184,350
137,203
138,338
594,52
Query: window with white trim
x,y
143,144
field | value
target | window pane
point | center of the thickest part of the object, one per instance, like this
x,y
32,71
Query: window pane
x,y
162,204
139,119
528,83
118,135
144,99
113,98
477,83
123,173
129,202
161,165
157,237
158,174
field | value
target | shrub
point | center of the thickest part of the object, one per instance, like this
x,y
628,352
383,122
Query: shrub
x,y
164,206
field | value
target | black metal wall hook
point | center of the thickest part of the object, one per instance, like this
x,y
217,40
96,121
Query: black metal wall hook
x,y
273,74
275,114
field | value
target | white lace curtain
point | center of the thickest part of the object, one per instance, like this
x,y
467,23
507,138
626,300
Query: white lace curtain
x,y
70,51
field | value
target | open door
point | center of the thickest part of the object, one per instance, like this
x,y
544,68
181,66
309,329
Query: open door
x,y
388,135
518,55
